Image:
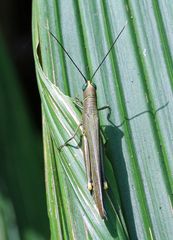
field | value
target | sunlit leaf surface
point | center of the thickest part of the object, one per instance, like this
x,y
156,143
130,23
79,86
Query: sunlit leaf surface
x,y
136,81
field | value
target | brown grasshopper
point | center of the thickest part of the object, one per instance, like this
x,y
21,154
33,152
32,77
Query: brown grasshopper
x,y
92,142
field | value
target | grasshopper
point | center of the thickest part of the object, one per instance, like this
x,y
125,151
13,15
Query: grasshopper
x,y
92,142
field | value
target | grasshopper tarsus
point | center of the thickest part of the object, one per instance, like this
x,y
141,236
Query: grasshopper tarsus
x,y
105,185
60,147
90,186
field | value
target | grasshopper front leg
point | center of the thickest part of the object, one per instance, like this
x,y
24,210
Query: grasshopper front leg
x,y
105,107
78,103
63,145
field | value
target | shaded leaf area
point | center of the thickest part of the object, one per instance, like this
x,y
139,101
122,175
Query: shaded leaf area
x,y
8,225
22,199
136,81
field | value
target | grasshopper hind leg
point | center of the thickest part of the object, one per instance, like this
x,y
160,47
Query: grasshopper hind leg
x,y
105,184
87,162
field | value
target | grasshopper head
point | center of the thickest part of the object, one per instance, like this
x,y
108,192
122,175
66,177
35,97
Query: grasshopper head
x,y
88,84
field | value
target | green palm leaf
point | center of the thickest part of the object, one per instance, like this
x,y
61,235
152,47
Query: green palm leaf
x,y
136,81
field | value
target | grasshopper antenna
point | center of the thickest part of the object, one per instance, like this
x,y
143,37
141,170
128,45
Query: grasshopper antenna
x,y
119,34
68,55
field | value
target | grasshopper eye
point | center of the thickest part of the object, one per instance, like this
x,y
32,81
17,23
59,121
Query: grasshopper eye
x,y
84,86
93,84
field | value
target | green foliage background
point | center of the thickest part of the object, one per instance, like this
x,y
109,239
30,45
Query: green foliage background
x,y
136,81
22,193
